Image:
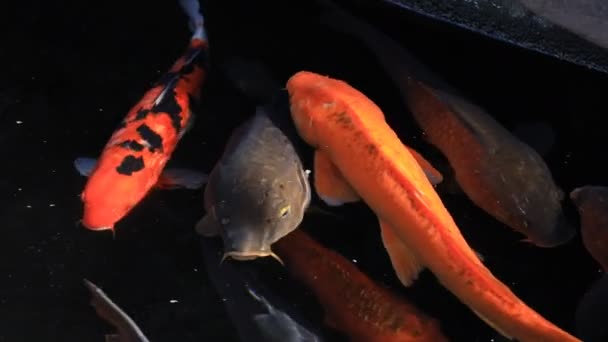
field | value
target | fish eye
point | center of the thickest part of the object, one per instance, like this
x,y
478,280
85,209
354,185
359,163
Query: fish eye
x,y
284,211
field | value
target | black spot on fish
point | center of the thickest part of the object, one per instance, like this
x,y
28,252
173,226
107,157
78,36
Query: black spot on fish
x,y
343,119
130,164
371,149
167,78
132,145
142,113
169,105
154,140
187,69
200,59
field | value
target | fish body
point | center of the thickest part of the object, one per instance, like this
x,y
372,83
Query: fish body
x,y
592,205
353,303
258,191
136,153
347,128
499,173
256,317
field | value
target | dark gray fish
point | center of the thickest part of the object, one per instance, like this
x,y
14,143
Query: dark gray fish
x,y
499,173
258,191
592,205
256,318
127,329
592,311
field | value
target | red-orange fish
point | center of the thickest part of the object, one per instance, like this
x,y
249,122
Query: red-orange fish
x,y
501,174
353,303
134,157
369,161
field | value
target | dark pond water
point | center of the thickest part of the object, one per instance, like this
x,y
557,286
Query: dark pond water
x,y
71,71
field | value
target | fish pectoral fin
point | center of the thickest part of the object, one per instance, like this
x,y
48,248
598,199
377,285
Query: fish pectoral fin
x,y
434,176
85,166
330,185
176,178
207,226
404,261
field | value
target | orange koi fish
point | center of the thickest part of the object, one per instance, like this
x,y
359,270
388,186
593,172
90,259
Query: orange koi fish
x,y
592,205
368,161
353,303
134,157
500,174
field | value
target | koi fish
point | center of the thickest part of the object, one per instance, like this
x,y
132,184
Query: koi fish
x,y
369,162
591,312
136,153
499,173
592,205
256,317
255,81
127,329
353,303
258,191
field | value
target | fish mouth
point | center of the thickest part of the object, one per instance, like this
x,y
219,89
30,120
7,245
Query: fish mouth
x,y
93,228
243,256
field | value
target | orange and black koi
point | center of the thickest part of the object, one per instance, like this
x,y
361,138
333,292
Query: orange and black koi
x,y
134,157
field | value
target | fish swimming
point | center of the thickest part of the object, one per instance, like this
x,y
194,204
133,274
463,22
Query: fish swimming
x,y
499,173
368,159
136,153
591,312
592,205
353,303
255,81
258,191
257,318
127,330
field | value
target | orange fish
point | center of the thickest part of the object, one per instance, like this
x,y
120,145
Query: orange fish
x,y
502,175
369,161
134,157
353,303
592,205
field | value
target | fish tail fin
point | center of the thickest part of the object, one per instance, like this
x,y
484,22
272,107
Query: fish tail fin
x,y
176,178
85,166
106,309
196,21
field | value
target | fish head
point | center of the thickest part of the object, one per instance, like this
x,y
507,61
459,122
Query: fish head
x,y
252,218
108,196
592,205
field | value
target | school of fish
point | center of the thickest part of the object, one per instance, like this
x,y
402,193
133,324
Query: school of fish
x,y
258,193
